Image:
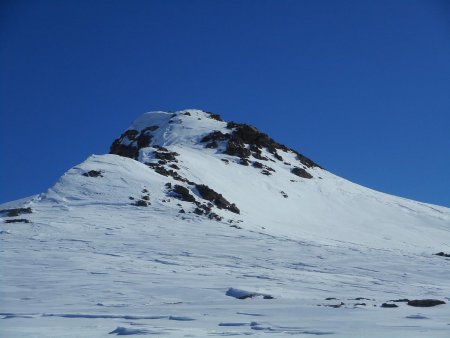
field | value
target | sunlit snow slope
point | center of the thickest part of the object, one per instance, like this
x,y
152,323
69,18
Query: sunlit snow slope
x,y
189,213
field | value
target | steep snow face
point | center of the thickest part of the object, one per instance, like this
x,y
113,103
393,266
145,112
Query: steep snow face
x,y
192,225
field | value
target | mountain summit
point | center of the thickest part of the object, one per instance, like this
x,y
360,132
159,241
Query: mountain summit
x,y
219,229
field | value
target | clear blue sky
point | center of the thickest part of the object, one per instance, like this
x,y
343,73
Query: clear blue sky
x,y
361,87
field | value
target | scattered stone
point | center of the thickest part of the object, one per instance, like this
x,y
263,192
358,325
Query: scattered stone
x,y
257,165
284,194
198,211
225,160
174,166
168,172
335,306
182,211
17,220
141,203
144,191
16,212
146,198
131,198
330,298
187,113
301,172
442,254
266,172
425,302
387,305
93,173
277,156
244,161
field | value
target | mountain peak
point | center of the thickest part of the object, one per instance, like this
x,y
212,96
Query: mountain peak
x,y
197,128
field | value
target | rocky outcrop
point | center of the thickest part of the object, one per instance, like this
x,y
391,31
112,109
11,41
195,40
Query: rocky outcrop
x,y
183,193
219,201
300,172
129,143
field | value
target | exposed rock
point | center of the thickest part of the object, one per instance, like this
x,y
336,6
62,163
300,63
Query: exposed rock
x,y
403,300
235,147
93,173
278,157
336,306
198,211
214,116
306,161
141,203
442,254
166,155
257,164
216,135
265,172
174,166
387,305
301,172
244,161
209,194
284,194
212,145
183,193
167,172
17,220
425,302
136,139
16,212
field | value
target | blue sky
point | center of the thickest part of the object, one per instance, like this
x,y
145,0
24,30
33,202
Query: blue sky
x,y
361,87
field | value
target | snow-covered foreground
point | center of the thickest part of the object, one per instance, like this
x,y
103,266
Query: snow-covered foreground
x,y
92,269
314,256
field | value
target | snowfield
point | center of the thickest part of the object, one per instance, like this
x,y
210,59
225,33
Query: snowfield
x,y
114,248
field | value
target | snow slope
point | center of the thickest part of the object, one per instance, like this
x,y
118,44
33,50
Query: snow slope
x,y
93,262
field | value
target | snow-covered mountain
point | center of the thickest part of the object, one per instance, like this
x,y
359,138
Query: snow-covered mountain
x,y
192,226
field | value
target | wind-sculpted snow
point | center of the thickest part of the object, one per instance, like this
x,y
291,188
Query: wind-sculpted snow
x,y
113,248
